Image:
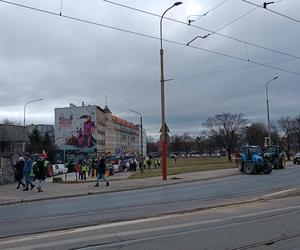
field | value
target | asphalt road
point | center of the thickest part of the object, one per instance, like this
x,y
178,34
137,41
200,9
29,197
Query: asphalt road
x,y
52,215
260,225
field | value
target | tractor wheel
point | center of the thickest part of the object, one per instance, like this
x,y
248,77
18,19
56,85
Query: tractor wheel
x,y
282,163
241,167
249,168
267,168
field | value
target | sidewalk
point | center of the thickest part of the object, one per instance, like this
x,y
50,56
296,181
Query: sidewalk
x,y
119,182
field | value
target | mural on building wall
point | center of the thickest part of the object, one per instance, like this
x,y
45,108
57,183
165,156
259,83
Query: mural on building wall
x,y
75,127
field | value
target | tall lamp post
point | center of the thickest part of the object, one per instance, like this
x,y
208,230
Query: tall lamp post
x,y
268,112
164,128
141,122
24,143
26,105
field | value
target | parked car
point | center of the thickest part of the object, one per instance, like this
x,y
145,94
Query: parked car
x,y
173,156
59,168
297,158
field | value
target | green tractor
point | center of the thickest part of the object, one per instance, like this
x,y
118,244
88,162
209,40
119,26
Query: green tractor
x,y
275,156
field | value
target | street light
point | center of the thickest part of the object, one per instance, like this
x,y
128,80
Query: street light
x,y
28,103
268,113
141,122
164,128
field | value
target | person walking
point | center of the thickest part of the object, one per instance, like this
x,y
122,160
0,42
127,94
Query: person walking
x,y
79,170
149,164
40,174
155,164
85,170
19,168
27,174
101,172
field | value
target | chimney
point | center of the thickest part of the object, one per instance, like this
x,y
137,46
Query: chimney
x,y
82,104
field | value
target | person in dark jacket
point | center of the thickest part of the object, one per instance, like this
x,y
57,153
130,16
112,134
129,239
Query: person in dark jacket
x,y
40,174
19,168
101,172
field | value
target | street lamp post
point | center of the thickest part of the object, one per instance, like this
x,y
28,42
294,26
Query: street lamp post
x,y
268,112
24,143
26,105
164,129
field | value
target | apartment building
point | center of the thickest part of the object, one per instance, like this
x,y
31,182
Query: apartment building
x,y
93,130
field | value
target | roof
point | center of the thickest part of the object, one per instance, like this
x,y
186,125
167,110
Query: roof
x,y
123,122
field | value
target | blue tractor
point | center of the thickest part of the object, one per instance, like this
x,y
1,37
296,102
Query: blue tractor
x,y
252,161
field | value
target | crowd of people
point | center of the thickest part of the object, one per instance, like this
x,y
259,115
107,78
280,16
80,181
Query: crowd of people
x,y
30,175
24,170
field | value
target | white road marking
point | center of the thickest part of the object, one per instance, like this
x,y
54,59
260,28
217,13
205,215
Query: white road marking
x,y
132,232
280,192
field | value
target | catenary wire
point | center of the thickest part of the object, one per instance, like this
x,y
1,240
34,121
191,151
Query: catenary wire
x,y
152,37
275,12
226,70
61,6
223,26
235,20
209,11
205,29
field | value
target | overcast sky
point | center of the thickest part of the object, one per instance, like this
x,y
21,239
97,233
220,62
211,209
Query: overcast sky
x,y
65,61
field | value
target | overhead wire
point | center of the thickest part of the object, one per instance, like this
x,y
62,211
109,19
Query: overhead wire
x,y
223,26
247,52
235,20
275,12
149,36
226,70
61,6
209,11
204,29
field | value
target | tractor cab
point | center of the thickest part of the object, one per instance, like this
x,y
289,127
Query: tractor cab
x,y
275,156
253,151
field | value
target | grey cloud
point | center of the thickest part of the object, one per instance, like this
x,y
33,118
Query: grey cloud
x,y
64,61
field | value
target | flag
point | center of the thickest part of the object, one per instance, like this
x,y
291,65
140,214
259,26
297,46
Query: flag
x,y
44,154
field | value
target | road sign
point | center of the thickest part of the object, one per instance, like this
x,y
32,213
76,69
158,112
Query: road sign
x,y
164,128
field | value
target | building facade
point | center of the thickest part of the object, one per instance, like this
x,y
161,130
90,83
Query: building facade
x,y
80,129
13,139
93,130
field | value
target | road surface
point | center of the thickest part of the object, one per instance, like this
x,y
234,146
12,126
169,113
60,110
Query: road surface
x,y
122,207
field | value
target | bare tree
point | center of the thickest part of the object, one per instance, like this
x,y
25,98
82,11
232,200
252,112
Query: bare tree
x,y
255,133
176,143
285,125
296,131
227,128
